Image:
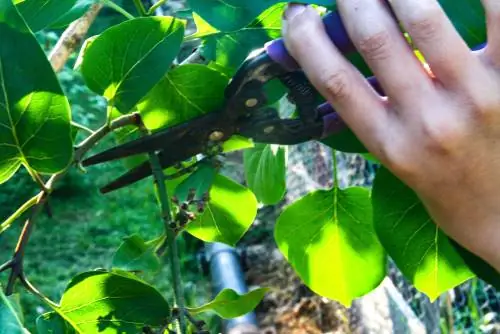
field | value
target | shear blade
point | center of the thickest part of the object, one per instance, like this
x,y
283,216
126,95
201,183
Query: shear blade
x,y
150,143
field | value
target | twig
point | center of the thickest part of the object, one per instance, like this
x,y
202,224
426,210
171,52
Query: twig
x,y
6,224
82,127
72,37
166,213
153,8
140,7
15,264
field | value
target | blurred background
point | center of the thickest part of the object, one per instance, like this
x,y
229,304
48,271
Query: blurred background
x,y
87,228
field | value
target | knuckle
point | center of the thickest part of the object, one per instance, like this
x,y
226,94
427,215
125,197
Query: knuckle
x,y
336,85
426,24
442,138
376,46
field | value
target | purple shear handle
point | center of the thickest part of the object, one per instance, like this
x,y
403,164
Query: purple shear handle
x,y
337,33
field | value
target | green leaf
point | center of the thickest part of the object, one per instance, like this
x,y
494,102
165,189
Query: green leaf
x,y
35,126
468,18
112,302
77,11
134,255
229,214
126,61
201,180
229,304
230,15
345,141
52,323
265,172
237,143
482,269
328,238
10,321
184,93
39,14
229,49
419,248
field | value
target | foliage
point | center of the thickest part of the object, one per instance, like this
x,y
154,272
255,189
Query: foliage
x,y
337,240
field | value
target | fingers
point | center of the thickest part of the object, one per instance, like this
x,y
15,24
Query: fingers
x,y
377,37
493,20
449,57
334,77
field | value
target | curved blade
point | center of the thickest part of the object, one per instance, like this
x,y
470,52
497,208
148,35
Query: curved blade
x,y
171,137
176,144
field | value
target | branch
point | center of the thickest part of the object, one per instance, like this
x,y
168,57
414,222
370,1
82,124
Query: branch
x,y
166,213
15,264
72,37
194,58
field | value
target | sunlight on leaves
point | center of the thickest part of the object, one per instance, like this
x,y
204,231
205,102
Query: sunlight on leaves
x,y
329,239
35,126
422,252
229,214
134,255
127,60
229,304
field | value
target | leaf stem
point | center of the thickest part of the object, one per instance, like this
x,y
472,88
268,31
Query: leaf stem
x,y
6,224
171,236
153,8
335,170
15,264
140,7
82,127
118,9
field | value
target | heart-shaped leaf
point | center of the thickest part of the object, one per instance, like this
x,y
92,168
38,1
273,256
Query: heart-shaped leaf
x,y
229,304
134,255
10,320
329,239
126,61
35,126
230,15
201,181
112,302
422,252
39,14
184,93
230,212
265,172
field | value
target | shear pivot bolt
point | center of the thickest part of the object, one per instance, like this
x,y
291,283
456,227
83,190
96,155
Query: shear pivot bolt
x,y
269,129
250,103
216,136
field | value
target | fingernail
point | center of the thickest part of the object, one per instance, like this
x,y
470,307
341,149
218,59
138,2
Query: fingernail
x,y
293,9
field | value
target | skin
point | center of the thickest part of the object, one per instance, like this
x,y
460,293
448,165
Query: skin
x,y
438,131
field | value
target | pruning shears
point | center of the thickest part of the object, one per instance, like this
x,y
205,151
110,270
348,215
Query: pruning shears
x,y
245,112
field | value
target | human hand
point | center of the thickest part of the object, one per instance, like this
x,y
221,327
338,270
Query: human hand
x,y
438,131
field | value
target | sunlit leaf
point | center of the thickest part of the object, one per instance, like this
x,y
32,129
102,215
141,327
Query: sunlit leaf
x,y
126,61
134,255
229,304
184,93
422,252
329,239
229,214
265,172
112,302
35,126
